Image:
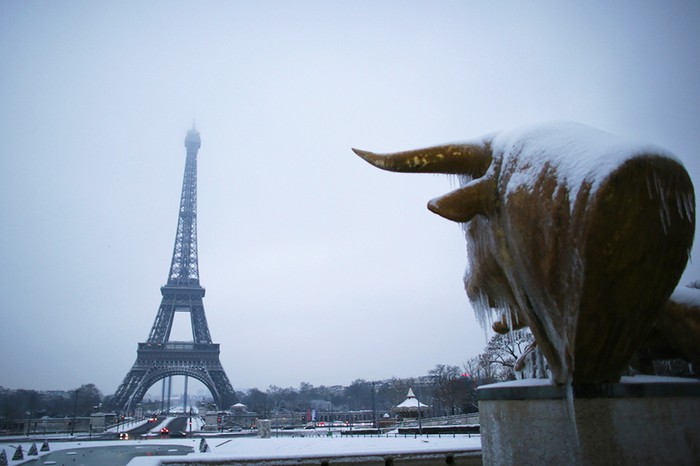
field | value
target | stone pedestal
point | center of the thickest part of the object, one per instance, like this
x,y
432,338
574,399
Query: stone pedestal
x,y
264,428
211,421
97,423
641,420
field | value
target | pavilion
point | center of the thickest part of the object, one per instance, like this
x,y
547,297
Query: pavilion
x,y
409,408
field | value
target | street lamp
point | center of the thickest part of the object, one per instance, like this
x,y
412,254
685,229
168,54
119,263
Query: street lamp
x,y
75,411
420,422
374,409
30,413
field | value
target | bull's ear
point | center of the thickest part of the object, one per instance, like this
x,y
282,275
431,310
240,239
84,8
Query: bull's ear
x,y
461,205
454,159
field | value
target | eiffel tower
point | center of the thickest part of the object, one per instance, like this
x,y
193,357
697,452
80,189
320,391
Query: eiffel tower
x,y
159,357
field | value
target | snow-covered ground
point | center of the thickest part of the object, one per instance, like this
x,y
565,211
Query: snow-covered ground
x,y
246,448
308,447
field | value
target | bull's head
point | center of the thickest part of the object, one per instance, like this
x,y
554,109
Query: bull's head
x,y
571,231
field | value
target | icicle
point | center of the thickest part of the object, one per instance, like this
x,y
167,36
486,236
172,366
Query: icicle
x,y
667,216
463,179
482,312
664,213
528,366
542,369
651,195
680,206
511,332
569,395
688,205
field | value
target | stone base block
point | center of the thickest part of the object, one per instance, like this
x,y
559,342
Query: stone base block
x,y
264,428
641,420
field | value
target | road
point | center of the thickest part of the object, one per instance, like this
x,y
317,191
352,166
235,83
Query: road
x,y
141,430
177,427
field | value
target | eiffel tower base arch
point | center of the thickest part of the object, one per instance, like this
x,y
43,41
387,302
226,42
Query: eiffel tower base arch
x,y
155,362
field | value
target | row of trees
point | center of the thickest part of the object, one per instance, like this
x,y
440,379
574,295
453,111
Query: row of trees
x,y
359,395
448,389
22,404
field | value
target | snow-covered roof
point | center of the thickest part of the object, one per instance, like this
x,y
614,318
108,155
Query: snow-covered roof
x,y
411,402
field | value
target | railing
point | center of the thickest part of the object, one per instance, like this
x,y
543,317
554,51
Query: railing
x,y
456,419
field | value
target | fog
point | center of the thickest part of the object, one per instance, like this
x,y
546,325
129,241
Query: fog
x,y
318,267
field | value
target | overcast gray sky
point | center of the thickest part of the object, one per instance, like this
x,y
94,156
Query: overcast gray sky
x,y
318,267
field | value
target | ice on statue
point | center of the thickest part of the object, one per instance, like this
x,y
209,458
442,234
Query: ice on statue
x,y
581,236
578,234
676,333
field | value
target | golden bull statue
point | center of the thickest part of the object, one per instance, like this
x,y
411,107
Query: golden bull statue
x,y
578,234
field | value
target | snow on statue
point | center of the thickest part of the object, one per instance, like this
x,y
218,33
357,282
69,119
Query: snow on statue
x,y
574,232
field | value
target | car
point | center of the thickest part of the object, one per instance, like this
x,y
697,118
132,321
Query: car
x,y
124,436
164,431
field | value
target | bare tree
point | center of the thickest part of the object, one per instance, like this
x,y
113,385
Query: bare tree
x,y
502,352
259,402
444,379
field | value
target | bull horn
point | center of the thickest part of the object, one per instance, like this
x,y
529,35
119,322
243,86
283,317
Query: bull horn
x,y
453,159
461,205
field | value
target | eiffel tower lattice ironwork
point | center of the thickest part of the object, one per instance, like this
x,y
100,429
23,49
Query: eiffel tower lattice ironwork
x,y
159,357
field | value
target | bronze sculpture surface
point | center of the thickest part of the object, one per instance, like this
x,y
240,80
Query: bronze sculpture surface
x,y
574,232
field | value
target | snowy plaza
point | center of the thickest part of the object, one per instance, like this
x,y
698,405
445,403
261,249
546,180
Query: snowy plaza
x,y
299,449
